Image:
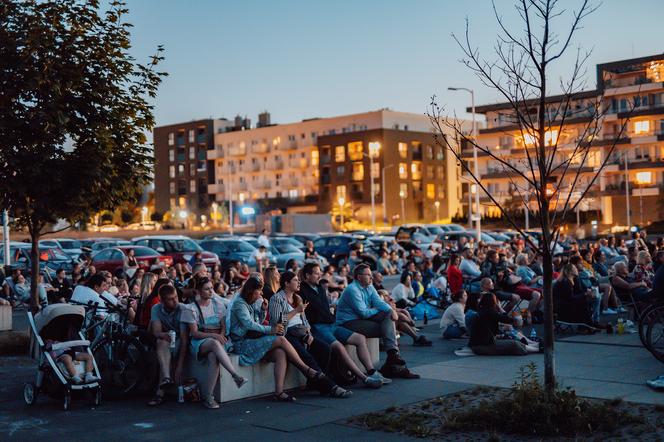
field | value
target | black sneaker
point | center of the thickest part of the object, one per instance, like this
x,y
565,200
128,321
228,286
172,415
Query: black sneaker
x,y
394,359
421,341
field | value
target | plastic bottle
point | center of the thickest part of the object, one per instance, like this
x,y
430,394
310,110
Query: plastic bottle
x,y
533,333
180,394
173,336
426,319
621,326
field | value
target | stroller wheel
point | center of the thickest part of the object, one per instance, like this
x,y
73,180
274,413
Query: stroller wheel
x,y
67,402
29,393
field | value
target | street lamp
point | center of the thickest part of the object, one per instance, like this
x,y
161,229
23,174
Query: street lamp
x,y
476,167
403,195
437,205
215,207
144,214
382,177
342,201
641,179
183,217
374,148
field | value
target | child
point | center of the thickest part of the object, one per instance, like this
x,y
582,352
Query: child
x,y
67,356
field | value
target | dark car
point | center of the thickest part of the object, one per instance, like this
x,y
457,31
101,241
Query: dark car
x,y
112,259
230,249
180,248
50,258
336,248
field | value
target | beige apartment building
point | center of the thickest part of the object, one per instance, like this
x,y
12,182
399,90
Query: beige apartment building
x,y
278,167
634,173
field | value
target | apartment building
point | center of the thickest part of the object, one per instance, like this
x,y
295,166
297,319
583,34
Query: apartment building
x,y
182,170
278,167
629,91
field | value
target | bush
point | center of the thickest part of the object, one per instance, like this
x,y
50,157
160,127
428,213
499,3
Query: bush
x,y
528,409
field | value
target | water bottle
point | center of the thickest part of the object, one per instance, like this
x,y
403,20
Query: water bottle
x,y
180,394
426,319
533,333
172,335
282,322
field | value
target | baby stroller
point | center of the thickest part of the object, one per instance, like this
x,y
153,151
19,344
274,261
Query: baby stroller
x,y
61,323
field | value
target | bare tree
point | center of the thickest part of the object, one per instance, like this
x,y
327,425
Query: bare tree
x,y
554,172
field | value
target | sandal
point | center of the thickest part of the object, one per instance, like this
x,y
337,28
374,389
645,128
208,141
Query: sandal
x,y
339,392
156,400
166,383
284,397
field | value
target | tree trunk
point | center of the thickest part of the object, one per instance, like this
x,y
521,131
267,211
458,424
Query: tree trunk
x,y
547,279
34,270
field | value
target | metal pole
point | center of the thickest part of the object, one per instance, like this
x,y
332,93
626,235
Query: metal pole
x,y
382,178
641,202
470,207
629,214
373,195
230,202
403,211
5,238
476,170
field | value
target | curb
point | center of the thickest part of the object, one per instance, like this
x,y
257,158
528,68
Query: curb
x,y
14,343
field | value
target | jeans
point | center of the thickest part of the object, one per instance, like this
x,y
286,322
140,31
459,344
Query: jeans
x,y
596,304
453,331
379,325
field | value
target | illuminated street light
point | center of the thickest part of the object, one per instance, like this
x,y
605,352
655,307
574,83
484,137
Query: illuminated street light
x,y
403,196
341,202
437,205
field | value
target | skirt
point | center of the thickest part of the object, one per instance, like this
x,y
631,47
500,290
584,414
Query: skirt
x,y
195,348
253,350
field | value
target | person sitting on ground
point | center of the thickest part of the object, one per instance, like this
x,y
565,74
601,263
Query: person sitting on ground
x,y
512,299
485,328
573,301
587,281
335,283
61,288
253,341
611,252
417,284
362,310
405,323
324,329
403,293
527,275
292,265
384,265
148,298
453,321
286,307
206,327
164,319
470,270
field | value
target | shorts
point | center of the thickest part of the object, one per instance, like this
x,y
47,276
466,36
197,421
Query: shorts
x,y
328,333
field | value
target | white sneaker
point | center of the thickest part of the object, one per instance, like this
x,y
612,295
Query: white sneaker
x,y
382,378
621,309
373,381
90,378
609,311
76,379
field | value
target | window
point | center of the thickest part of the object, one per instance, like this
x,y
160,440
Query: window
x,y
192,153
403,150
341,171
641,127
355,151
440,172
192,135
182,201
403,190
171,155
171,139
292,193
172,187
192,186
403,171
171,171
358,171
314,158
644,178
550,138
416,170
192,169
430,172
431,191
375,171
341,192
180,169
340,154
440,155
172,202
441,191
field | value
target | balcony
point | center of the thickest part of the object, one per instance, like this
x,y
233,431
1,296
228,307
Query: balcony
x,y
260,148
239,187
276,165
255,167
293,182
263,184
237,151
215,153
297,163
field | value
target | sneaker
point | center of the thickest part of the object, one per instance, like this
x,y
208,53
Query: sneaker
x,y
240,381
210,403
76,379
90,378
621,309
373,381
394,359
422,341
384,380
657,383
609,311
340,393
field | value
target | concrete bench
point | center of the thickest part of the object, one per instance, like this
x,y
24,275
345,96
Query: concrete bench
x,y
5,317
261,375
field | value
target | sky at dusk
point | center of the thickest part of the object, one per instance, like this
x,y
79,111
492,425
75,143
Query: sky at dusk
x,y
304,59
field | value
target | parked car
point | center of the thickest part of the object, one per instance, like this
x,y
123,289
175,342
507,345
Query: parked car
x,y
280,240
145,225
71,247
304,237
279,254
452,228
230,249
50,258
180,248
112,259
101,245
336,248
415,232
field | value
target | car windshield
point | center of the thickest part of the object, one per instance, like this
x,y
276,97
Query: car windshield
x,y
287,248
435,230
70,244
239,246
182,245
56,255
143,251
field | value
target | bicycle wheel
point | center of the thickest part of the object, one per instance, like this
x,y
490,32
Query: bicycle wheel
x,y
120,363
644,321
655,334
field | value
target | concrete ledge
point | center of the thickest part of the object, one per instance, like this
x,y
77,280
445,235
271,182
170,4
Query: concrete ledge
x,y
261,375
5,317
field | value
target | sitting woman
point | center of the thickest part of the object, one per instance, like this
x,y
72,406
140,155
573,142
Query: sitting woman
x,y
254,341
271,278
485,328
405,323
573,301
586,281
453,321
403,293
286,307
205,321
527,275
643,269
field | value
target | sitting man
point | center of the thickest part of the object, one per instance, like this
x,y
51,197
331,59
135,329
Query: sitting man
x,y
362,310
324,329
164,319
512,299
470,270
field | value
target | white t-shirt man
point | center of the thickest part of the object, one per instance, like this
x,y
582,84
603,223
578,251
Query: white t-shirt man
x,y
263,241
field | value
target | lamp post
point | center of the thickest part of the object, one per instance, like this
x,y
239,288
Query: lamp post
x,y
641,179
144,214
629,210
374,148
437,205
475,167
382,190
402,195
341,201
230,201
183,216
215,207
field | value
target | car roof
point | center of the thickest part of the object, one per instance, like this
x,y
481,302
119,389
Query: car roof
x,y
140,238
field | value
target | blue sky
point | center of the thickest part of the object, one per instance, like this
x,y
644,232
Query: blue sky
x,y
303,59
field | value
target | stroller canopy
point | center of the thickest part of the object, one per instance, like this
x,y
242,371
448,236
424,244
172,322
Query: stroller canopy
x,y
57,321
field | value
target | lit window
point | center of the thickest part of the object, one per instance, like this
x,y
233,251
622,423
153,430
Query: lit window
x,y
171,155
431,191
171,171
358,171
403,150
550,138
192,186
403,171
182,201
191,136
192,153
341,191
180,169
403,190
374,149
355,151
416,170
314,158
641,127
292,193
171,139
172,188
644,178
340,154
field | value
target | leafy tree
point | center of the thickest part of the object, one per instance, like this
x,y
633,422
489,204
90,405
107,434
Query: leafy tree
x,y
75,112
157,216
